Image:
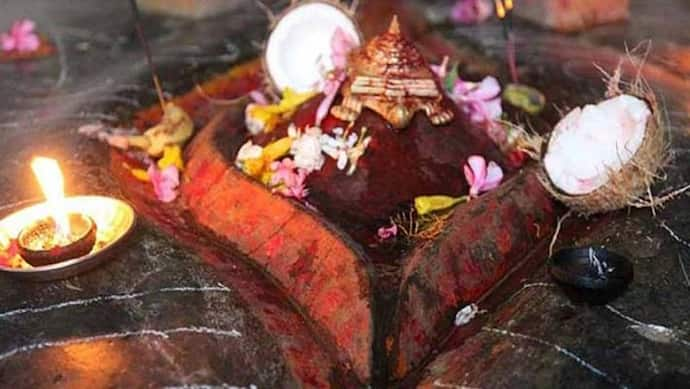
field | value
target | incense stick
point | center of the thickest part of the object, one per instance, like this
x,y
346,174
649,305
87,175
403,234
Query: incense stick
x,y
504,11
147,51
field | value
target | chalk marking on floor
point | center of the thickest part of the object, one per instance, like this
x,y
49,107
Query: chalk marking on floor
x,y
664,331
114,297
164,334
561,350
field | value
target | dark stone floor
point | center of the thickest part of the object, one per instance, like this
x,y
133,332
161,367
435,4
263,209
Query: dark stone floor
x,y
155,316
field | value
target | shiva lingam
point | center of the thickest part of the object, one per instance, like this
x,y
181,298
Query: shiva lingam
x,y
61,236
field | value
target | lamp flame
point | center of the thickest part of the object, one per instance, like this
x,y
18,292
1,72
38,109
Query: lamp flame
x,y
500,9
503,7
49,176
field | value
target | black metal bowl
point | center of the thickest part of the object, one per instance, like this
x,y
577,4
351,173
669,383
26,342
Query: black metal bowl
x,y
593,274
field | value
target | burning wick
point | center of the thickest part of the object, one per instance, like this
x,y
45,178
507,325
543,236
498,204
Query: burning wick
x,y
52,183
60,235
504,11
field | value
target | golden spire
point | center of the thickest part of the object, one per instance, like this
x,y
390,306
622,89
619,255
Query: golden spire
x,y
394,28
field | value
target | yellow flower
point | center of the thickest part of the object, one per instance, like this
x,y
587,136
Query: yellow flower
x,y
259,118
141,175
277,149
264,118
172,155
292,100
427,204
254,167
258,167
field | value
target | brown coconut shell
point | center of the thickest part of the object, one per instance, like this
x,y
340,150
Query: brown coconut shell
x,y
634,179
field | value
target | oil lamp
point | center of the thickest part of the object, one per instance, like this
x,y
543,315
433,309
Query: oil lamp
x,y
63,235
59,236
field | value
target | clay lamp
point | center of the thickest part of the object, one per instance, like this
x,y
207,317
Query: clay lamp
x,y
63,235
43,242
592,274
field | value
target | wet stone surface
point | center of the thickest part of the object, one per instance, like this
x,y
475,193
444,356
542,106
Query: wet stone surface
x,y
157,316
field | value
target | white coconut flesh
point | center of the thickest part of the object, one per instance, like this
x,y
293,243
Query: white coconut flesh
x,y
592,142
298,51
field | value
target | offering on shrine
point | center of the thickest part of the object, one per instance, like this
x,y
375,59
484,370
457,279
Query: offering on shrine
x,y
603,157
390,77
300,54
175,128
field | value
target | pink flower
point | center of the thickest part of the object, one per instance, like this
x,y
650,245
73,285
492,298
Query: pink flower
x,y
341,45
385,233
21,37
330,89
441,70
165,182
480,177
288,180
259,97
481,101
471,11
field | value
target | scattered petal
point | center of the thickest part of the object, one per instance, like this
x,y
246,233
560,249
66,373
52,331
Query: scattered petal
x,y
466,315
427,204
341,45
165,182
385,233
480,176
471,11
249,151
480,101
21,37
289,180
141,175
307,150
259,97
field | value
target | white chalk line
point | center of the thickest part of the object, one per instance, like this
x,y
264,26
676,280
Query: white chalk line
x,y
653,327
561,350
202,386
115,297
440,384
164,334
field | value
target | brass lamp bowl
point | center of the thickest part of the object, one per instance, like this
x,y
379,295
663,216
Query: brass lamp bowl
x,y
99,225
40,245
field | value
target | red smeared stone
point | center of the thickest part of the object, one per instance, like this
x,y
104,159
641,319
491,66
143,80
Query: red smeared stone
x,y
320,268
312,361
483,241
398,166
308,258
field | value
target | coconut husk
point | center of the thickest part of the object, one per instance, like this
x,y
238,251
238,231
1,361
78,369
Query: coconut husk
x,y
634,179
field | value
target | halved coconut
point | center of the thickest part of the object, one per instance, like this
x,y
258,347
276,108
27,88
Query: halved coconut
x,y
298,51
603,157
